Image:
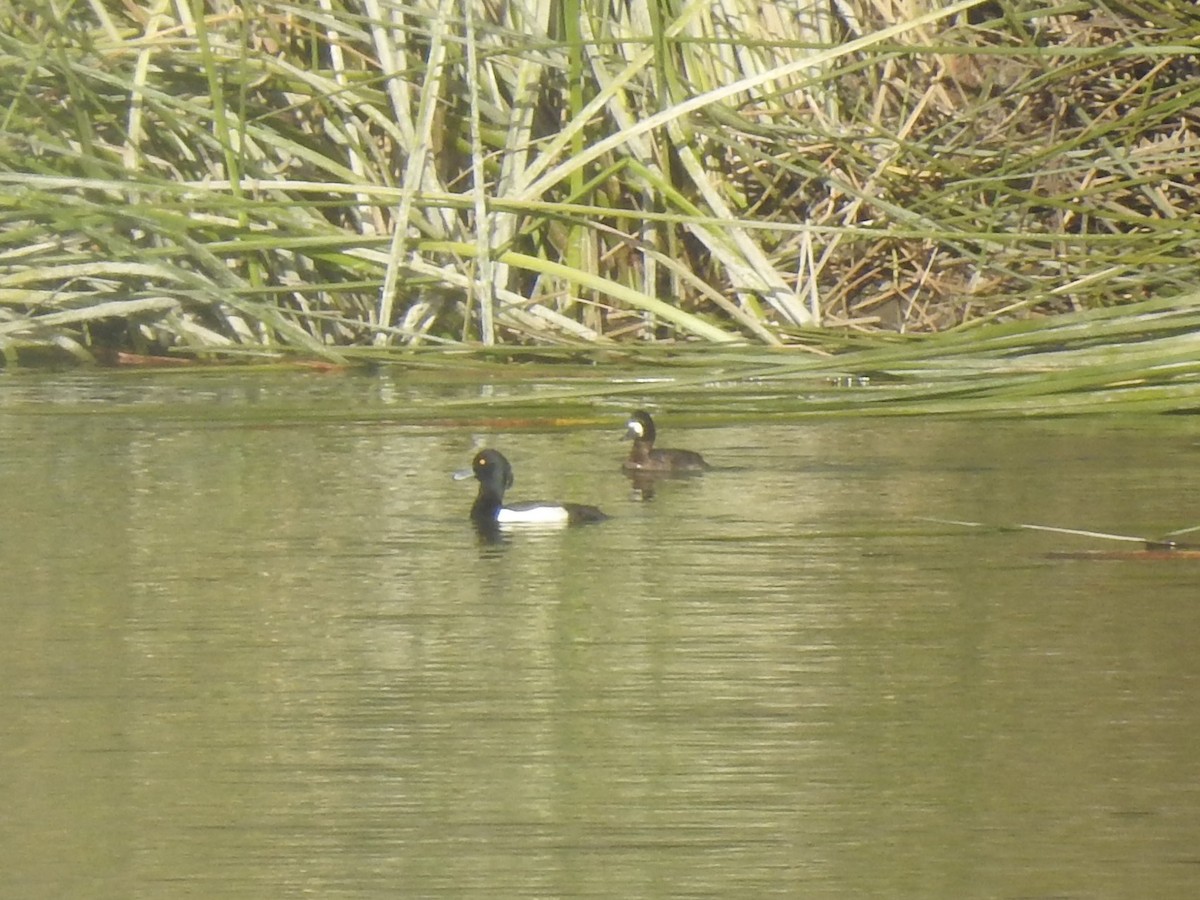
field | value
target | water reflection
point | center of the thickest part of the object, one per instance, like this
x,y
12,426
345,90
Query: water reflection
x,y
260,661
644,485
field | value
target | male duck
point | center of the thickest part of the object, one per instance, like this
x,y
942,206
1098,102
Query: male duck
x,y
495,476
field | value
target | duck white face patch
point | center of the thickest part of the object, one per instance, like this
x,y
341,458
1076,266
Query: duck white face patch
x,y
636,427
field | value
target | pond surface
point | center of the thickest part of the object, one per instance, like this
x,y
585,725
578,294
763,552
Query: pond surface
x,y
253,648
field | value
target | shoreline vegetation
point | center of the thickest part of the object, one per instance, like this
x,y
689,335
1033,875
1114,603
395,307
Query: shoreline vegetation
x,y
1003,186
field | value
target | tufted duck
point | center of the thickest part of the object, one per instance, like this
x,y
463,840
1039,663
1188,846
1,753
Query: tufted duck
x,y
644,458
495,476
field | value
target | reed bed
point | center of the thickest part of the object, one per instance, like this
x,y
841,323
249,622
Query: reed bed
x,y
361,180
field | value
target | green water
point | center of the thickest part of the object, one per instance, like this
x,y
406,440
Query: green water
x,y
253,648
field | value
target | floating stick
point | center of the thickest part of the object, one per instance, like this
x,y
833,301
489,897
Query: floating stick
x,y
1166,542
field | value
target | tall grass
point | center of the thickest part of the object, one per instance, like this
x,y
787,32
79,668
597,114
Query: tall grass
x,y
216,178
